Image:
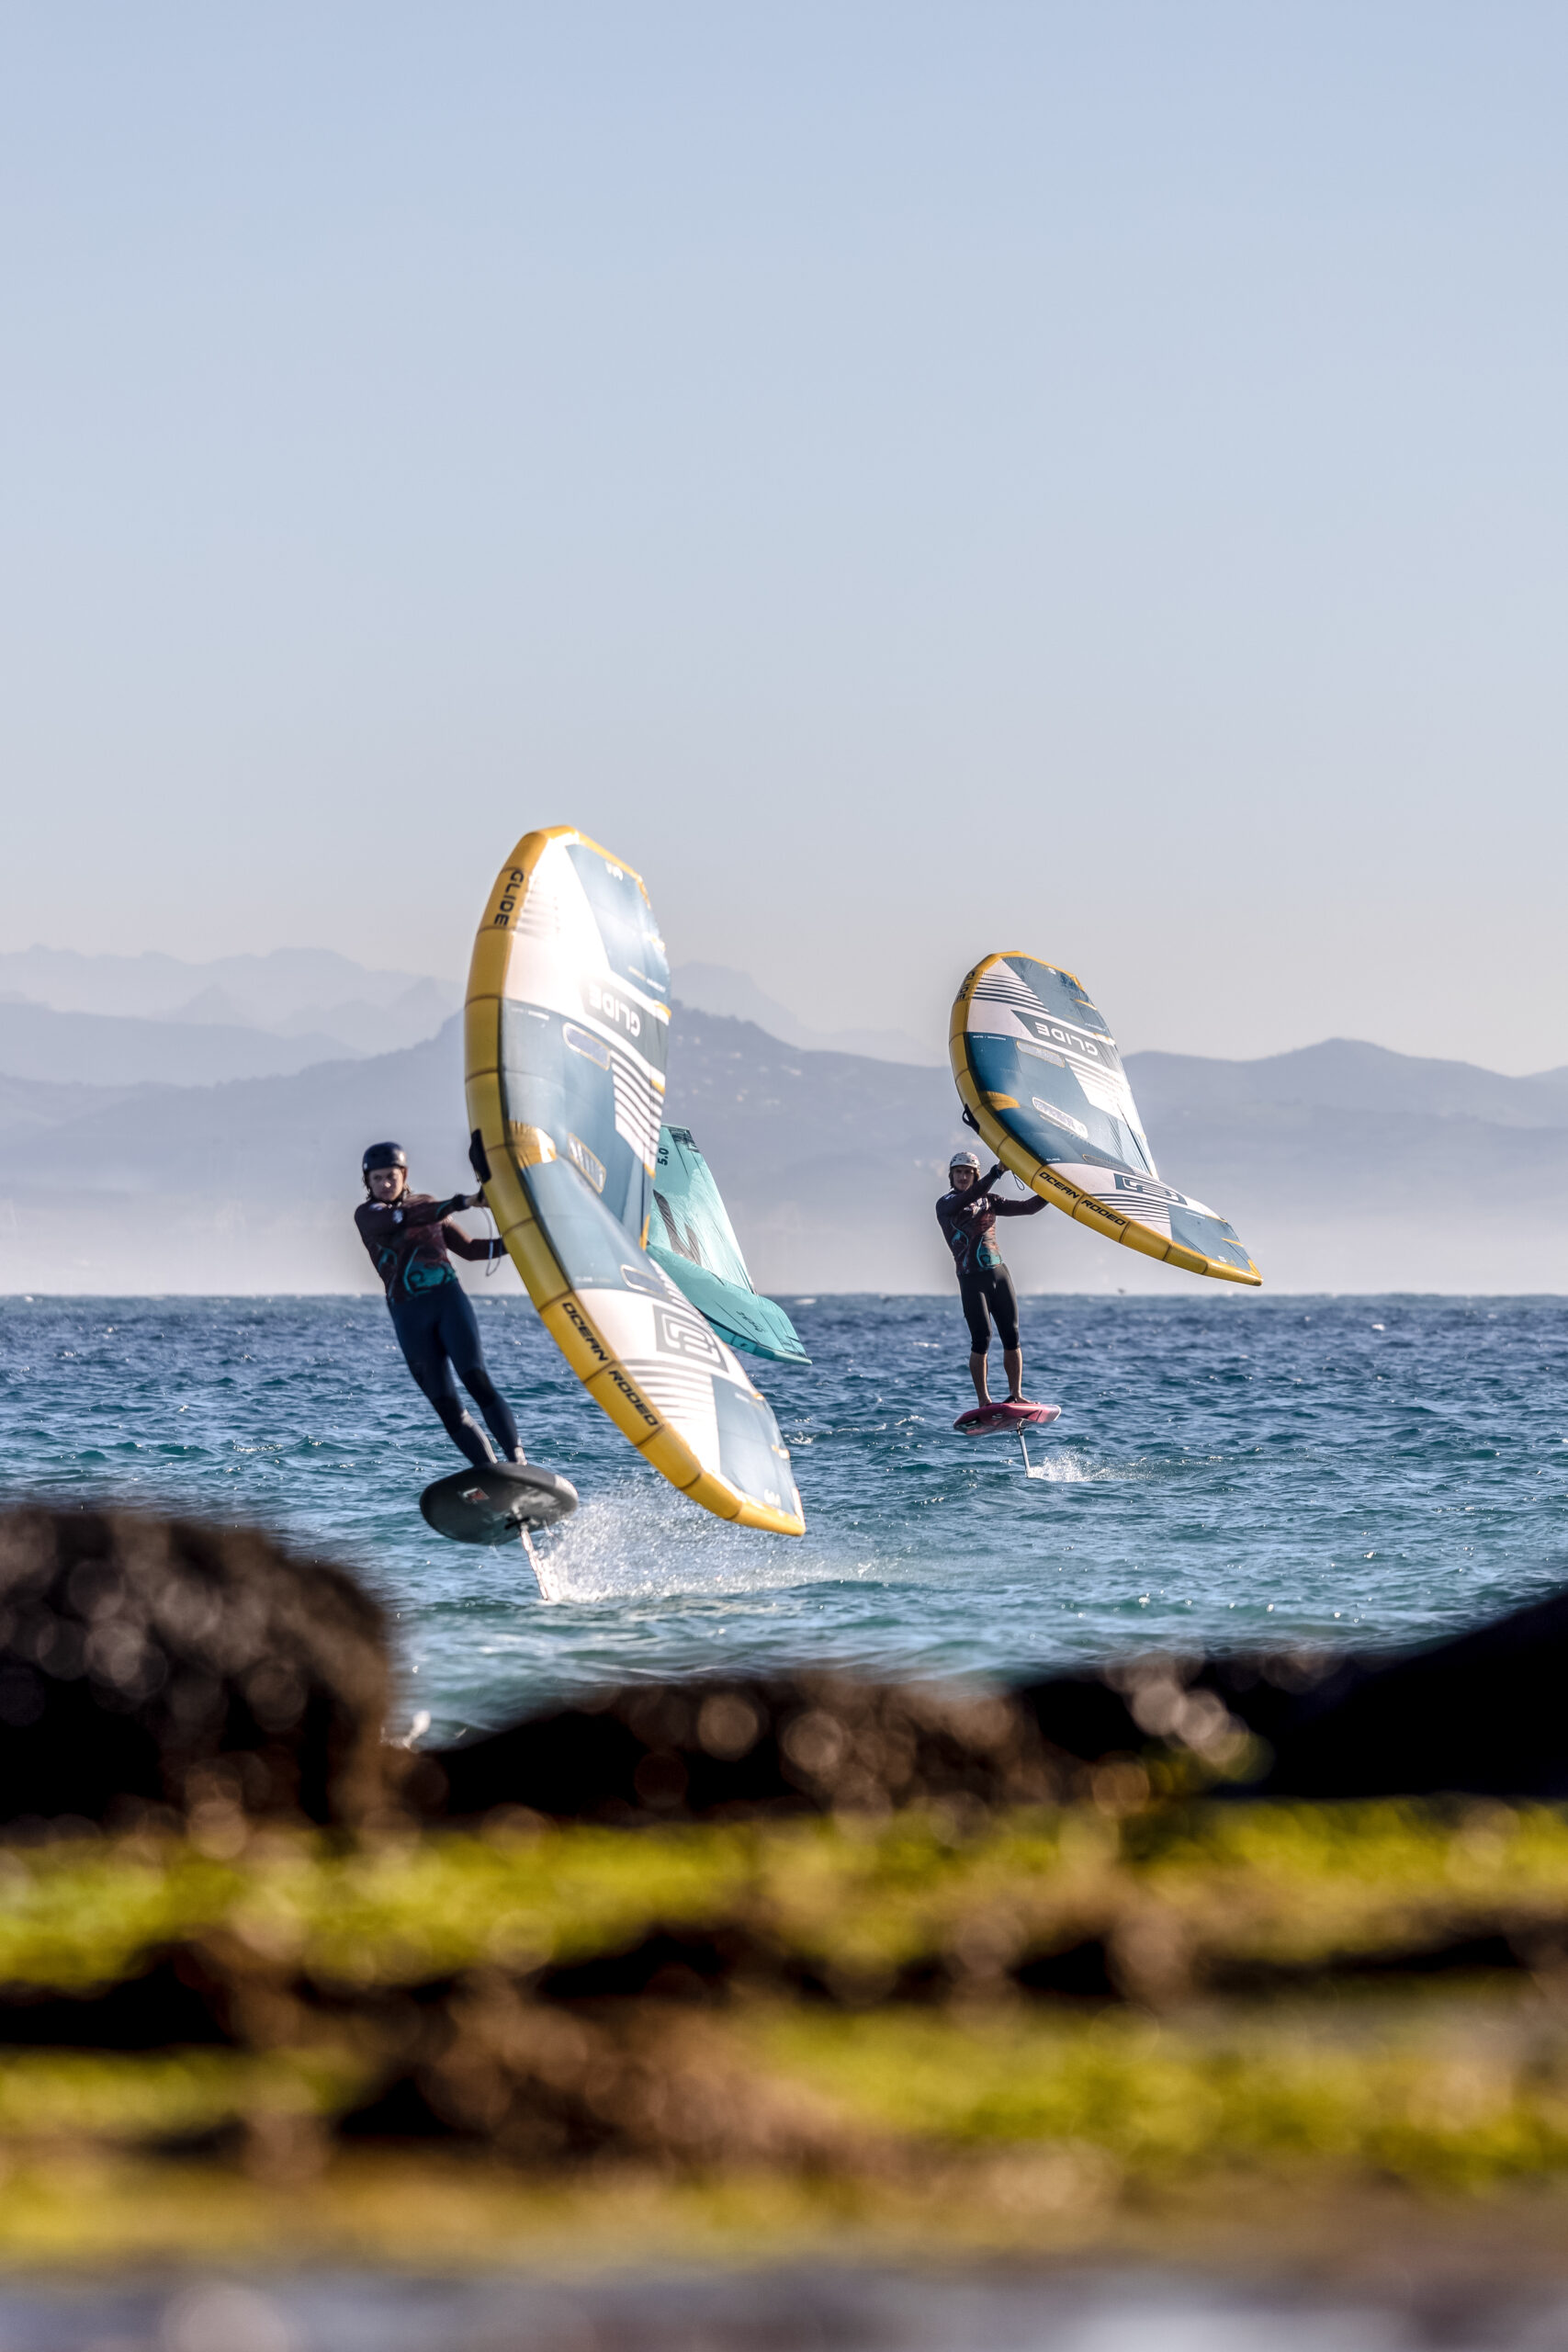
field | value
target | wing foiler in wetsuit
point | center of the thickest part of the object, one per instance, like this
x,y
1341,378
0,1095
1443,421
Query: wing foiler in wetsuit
x,y
409,1240
969,1222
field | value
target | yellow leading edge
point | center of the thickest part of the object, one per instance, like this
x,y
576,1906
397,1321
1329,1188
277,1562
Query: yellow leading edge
x,y
566,1025
1036,1066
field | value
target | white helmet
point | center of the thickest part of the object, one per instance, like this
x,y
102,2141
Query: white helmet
x,y
963,1160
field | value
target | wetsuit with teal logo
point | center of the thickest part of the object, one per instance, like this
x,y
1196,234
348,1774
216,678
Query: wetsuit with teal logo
x,y
969,1222
409,1240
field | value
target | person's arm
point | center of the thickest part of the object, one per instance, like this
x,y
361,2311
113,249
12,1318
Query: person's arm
x,y
386,1217
1012,1208
461,1246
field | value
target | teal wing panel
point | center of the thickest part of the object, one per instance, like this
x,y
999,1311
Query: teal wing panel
x,y
756,1325
690,1236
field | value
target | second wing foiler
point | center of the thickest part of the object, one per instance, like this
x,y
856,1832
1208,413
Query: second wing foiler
x,y
1037,1067
690,1236
566,1026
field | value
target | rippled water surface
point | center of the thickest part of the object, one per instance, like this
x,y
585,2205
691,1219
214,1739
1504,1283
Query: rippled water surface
x,y
1227,1467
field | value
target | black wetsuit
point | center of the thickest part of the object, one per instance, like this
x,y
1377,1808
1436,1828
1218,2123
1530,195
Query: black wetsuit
x,y
969,1222
409,1240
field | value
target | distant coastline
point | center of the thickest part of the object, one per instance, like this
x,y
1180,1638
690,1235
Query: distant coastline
x,y
1349,1167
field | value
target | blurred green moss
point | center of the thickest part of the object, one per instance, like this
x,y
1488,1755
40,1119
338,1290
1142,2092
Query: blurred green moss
x,y
149,2096
1278,1884
1182,2066
1430,2107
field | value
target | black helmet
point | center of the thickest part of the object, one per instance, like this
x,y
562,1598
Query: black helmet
x,y
385,1155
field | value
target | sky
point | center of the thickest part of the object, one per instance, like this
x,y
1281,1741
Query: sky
x,y
911,480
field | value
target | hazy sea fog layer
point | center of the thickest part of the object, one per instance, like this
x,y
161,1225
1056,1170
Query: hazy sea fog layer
x,y
1228,1469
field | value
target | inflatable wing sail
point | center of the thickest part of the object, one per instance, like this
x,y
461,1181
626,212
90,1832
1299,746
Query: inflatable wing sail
x,y
1037,1068
567,1025
691,1236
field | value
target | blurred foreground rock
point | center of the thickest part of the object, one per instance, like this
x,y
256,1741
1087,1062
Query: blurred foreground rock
x,y
900,1926
151,1666
1482,1714
711,1747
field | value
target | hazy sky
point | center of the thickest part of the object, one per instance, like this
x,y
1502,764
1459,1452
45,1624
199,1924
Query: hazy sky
x,y
914,480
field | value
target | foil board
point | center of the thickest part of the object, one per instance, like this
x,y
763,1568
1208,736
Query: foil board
x,y
984,1420
498,1504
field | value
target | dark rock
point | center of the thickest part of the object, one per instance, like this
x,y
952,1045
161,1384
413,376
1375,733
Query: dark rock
x,y
169,2005
798,1744
151,1664
1081,1971
1482,1714
684,1965
1448,1952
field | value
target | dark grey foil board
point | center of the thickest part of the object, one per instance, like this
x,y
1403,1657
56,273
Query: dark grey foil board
x,y
497,1505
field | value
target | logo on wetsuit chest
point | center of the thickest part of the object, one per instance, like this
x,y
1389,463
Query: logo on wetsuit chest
x,y
419,1277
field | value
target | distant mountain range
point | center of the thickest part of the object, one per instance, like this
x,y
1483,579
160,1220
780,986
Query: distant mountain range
x,y
322,1003
103,1020
1342,1075
1344,1168
95,1049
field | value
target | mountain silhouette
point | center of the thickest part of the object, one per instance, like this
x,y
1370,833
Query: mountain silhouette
x,y
1343,1166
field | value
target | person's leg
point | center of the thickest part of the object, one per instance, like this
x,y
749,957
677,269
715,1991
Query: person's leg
x,y
460,1337
417,1322
1004,1307
977,1316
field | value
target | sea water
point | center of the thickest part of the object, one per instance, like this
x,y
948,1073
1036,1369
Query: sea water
x,y
1229,1470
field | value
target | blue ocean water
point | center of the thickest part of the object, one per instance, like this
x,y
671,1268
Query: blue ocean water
x,y
1229,1468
